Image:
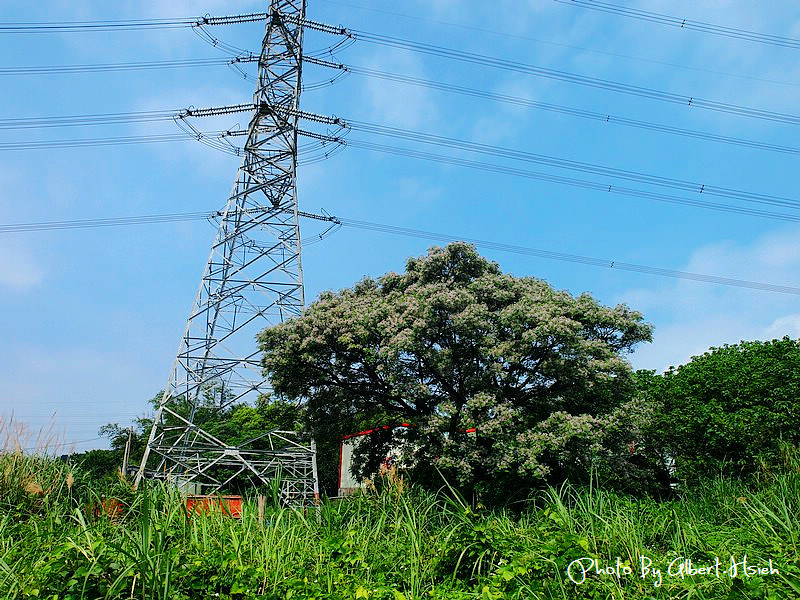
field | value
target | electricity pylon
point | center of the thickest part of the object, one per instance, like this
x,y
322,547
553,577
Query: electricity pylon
x,y
253,279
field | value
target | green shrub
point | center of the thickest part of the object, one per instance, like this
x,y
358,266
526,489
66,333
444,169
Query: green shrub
x,y
729,411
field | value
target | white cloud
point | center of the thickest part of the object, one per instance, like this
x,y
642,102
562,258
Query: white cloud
x,y
396,103
503,122
690,317
417,192
19,270
788,325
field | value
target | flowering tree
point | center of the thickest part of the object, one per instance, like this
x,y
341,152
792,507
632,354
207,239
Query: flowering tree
x,y
453,344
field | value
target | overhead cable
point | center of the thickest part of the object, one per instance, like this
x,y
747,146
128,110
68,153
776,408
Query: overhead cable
x,y
74,26
441,52
49,445
521,155
681,23
83,120
417,233
149,116
580,183
106,141
529,69
567,110
130,24
110,67
219,140
563,163
508,34
109,222
575,258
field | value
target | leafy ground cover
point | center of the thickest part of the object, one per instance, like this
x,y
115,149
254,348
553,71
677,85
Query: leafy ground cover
x,y
394,542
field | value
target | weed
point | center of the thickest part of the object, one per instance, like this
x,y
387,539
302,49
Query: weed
x,y
394,542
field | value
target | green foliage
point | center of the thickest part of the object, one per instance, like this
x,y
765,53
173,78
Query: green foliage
x,y
396,542
241,423
731,410
101,466
452,344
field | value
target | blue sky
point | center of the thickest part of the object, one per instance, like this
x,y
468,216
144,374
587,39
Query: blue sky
x,y
91,318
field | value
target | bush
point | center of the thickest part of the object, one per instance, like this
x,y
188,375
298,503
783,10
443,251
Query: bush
x,y
730,410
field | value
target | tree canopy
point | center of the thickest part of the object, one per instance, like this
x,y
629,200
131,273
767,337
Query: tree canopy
x,y
454,344
730,409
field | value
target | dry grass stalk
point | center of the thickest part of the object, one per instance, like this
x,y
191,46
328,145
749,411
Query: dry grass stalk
x,y
17,438
389,473
34,489
29,470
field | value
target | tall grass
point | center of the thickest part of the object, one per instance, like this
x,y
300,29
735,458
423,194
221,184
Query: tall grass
x,y
392,542
31,479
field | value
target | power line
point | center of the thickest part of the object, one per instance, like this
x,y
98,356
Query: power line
x,y
109,222
567,110
529,69
427,138
573,165
681,23
129,25
75,26
121,117
581,183
126,66
557,44
91,119
48,445
218,140
198,23
417,233
152,116
442,52
398,43
105,141
597,262
552,161
436,51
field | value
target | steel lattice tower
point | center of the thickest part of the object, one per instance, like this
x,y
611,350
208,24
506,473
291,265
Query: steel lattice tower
x,y
253,279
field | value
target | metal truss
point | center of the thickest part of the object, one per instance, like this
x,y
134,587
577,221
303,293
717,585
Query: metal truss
x,y
280,460
253,279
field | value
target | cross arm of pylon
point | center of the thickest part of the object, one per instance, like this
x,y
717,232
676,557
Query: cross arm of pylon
x,y
265,109
325,119
312,60
252,17
322,137
329,218
317,26
215,111
233,19
300,213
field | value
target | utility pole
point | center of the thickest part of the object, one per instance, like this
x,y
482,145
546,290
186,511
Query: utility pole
x,y
126,456
253,279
